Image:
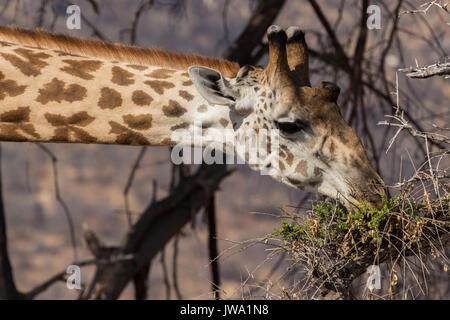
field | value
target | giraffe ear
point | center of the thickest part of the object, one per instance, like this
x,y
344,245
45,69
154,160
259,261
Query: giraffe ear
x,y
212,86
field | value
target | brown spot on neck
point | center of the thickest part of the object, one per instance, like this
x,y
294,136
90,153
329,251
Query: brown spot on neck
x,y
140,98
21,114
121,76
18,132
173,109
81,68
68,128
30,64
81,119
186,95
159,86
127,136
9,87
56,90
109,99
139,122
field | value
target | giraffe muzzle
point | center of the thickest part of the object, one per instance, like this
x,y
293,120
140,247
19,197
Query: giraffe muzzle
x,y
371,193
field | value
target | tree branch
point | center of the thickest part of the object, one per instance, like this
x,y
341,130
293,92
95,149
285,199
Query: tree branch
x,y
212,247
437,69
158,224
263,16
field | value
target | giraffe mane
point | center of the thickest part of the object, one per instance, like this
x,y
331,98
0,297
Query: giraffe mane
x,y
113,51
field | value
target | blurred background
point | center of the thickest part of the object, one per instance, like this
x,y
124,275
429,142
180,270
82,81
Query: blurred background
x,y
92,178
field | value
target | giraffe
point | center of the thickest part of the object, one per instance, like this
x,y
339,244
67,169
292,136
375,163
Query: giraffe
x,y
57,88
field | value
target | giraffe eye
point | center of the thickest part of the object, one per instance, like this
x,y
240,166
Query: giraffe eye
x,y
290,127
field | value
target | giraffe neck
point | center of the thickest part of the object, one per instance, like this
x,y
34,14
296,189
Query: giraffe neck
x,y
48,95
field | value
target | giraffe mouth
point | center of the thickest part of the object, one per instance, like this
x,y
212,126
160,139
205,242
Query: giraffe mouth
x,y
371,199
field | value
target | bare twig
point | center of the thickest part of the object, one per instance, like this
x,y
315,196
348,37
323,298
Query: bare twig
x,y
212,247
130,180
59,198
162,260
175,267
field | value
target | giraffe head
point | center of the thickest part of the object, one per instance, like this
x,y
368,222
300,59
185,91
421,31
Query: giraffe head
x,y
318,151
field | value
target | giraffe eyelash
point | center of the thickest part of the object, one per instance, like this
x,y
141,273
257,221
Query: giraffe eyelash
x,y
291,127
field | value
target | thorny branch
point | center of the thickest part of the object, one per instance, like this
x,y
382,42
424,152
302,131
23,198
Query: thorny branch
x,y
404,124
438,69
401,123
427,6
